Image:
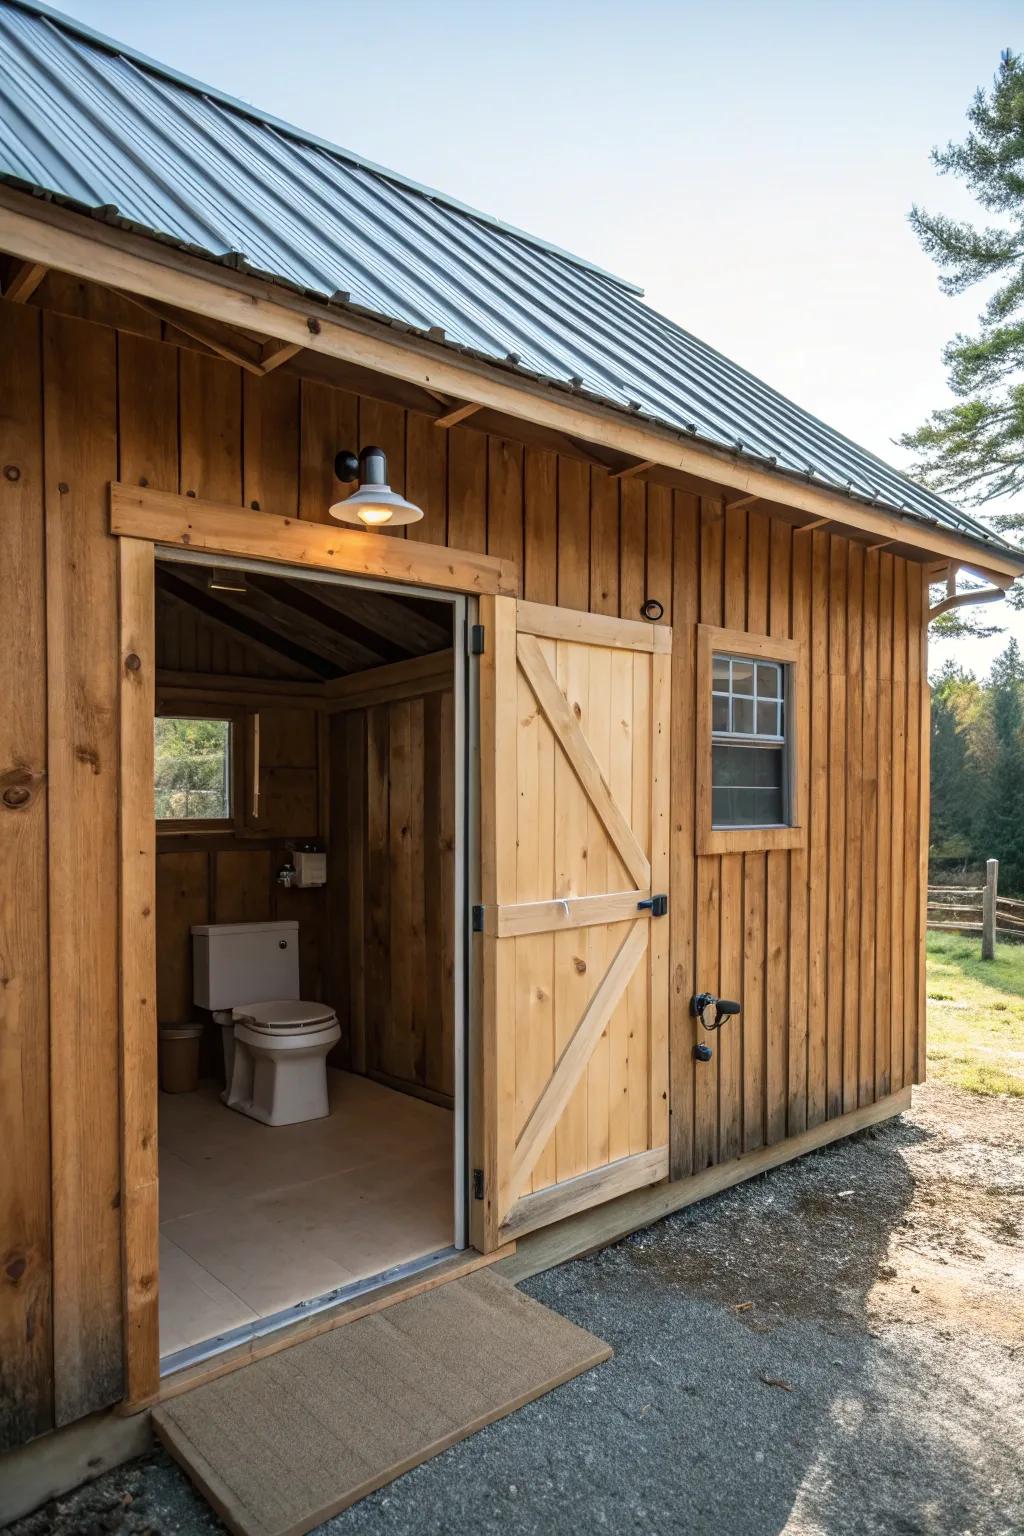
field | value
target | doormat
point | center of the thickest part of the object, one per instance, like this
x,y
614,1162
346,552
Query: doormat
x,y
289,1441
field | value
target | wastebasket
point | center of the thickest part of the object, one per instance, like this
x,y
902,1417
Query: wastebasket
x,y
179,1057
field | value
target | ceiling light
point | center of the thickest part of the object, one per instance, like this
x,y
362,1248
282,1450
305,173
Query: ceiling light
x,y
375,503
226,581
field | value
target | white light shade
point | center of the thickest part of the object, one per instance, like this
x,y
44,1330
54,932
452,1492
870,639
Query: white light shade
x,y
375,505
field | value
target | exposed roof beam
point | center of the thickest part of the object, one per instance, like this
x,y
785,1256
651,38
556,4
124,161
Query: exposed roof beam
x,y
748,501
275,353
817,522
232,351
452,418
222,613
42,232
24,281
632,469
310,607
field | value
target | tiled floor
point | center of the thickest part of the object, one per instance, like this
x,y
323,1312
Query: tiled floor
x,y
254,1218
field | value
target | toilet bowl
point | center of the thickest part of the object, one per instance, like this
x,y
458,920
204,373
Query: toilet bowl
x,y
275,1047
278,1069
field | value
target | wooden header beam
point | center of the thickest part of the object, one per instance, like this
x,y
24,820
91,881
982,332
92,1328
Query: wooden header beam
x,y
164,517
41,232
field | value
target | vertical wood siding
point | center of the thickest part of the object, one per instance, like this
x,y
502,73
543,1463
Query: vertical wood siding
x,y
821,944
26,1406
391,956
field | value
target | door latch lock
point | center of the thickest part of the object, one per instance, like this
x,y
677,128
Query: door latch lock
x,y
656,905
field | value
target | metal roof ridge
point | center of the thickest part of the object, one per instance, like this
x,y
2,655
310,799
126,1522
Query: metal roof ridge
x,y
314,141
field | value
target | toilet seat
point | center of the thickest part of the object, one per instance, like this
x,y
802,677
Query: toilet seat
x,y
288,1016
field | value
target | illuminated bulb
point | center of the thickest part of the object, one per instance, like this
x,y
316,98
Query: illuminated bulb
x,y
374,502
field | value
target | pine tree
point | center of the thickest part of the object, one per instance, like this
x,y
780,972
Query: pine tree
x,y
1001,826
956,698
974,448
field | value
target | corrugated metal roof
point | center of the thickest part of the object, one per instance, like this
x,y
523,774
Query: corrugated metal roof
x,y
112,133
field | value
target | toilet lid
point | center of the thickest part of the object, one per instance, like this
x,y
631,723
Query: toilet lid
x,y
289,1014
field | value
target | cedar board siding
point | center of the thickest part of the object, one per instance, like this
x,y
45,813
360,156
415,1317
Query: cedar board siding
x,y
821,944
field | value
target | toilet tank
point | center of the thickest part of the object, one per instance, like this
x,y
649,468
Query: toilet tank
x,y
236,963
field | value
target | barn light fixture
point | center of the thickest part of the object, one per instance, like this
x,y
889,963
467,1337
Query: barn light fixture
x,y
375,503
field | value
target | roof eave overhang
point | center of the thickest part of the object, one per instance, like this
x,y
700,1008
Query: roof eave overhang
x,y
36,229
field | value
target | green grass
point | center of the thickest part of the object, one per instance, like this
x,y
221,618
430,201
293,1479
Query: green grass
x,y
976,1015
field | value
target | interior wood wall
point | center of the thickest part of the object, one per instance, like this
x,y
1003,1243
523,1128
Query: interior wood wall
x,y
392,883
822,945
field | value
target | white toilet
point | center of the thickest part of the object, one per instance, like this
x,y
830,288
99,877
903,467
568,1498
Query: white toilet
x,y
275,1045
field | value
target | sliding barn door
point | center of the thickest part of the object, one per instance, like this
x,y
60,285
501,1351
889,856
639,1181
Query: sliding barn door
x,y
574,719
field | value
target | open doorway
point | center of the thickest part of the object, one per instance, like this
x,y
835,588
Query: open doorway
x,y
310,798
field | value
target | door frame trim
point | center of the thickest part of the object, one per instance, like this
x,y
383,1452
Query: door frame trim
x,y
140,538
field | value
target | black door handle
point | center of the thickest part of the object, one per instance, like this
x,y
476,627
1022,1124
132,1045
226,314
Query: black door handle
x,y
657,905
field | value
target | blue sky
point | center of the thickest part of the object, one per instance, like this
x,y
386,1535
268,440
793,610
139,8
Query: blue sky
x,y
751,164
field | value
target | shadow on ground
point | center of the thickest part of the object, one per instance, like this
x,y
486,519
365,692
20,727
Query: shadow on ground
x,y
801,1354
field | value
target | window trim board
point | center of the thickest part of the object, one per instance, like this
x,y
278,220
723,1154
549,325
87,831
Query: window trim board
x,y
793,654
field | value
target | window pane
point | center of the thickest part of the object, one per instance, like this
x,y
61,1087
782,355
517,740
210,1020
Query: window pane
x,y
722,813
768,679
719,713
746,767
742,676
747,786
193,769
720,672
768,718
743,716
767,806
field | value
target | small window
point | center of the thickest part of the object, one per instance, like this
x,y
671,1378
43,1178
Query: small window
x,y
193,769
749,761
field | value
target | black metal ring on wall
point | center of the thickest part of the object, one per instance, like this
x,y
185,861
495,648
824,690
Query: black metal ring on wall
x,y
652,609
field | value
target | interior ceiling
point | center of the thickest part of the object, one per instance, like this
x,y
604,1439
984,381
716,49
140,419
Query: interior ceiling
x,y
309,630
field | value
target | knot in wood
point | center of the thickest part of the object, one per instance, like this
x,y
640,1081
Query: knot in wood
x,y
18,787
133,661
12,472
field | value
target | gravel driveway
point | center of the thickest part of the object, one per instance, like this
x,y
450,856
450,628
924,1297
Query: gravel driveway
x,y
835,1347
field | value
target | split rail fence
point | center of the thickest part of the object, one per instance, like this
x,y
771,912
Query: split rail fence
x,y
977,909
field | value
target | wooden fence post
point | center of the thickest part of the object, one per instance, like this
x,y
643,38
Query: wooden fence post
x,y
988,910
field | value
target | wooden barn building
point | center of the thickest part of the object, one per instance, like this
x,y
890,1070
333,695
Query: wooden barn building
x,y
479,801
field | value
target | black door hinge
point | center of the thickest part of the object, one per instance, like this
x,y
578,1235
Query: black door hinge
x,y
657,905
476,639
478,919
478,1183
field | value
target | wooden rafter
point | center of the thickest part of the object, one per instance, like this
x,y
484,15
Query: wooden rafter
x,y
244,625
275,353
746,501
632,469
452,418
323,616
816,522
256,358
24,281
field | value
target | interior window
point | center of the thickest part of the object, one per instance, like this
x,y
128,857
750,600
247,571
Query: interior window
x,y
193,768
748,750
